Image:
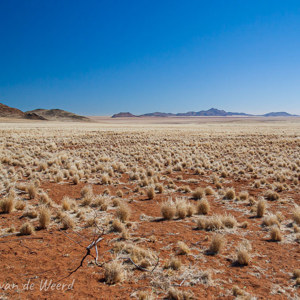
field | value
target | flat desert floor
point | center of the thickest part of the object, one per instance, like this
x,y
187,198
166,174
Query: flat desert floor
x,y
156,208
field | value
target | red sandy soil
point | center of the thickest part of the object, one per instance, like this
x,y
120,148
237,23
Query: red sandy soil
x,y
51,254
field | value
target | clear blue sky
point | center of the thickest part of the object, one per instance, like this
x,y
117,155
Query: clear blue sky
x,y
102,57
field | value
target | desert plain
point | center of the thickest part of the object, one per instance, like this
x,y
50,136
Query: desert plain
x,y
150,208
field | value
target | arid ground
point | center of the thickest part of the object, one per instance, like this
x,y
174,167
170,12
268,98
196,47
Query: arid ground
x,y
161,208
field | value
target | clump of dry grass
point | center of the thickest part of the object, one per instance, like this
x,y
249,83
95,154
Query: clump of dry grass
x,y
209,191
203,207
26,229
183,248
159,187
86,190
261,208
270,220
75,179
237,291
67,222
229,194
32,191
117,226
30,214
275,234
198,194
44,217
296,273
243,255
173,263
7,204
101,202
150,193
296,215
243,195
145,295
168,210
66,203
182,207
45,199
271,195
217,243
114,272
176,294
229,221
123,212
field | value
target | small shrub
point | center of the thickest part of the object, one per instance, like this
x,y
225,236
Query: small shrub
x,y
26,229
67,222
32,191
7,204
117,226
217,243
271,195
183,248
229,194
198,194
168,210
75,179
44,217
114,272
66,203
296,215
203,207
209,191
296,273
123,212
150,193
176,294
243,195
173,263
243,256
261,208
275,234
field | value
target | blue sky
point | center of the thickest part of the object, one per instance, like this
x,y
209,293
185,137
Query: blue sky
x,y
102,57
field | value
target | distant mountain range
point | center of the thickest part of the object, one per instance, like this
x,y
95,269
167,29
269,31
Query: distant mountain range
x,y
213,112
40,114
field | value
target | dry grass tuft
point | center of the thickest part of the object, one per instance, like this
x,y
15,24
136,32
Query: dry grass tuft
x,y
217,243
176,294
150,193
26,229
296,215
114,272
271,195
123,212
203,207
168,210
198,194
32,191
67,222
275,234
173,263
44,217
7,204
183,248
117,226
229,194
261,208
243,256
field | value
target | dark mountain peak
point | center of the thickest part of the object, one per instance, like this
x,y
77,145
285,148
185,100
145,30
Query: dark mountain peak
x,y
123,115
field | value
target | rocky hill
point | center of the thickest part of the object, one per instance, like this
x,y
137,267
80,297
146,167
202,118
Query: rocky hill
x,y
10,112
58,115
123,115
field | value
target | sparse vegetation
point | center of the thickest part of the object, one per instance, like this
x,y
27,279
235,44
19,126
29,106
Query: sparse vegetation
x,y
100,181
